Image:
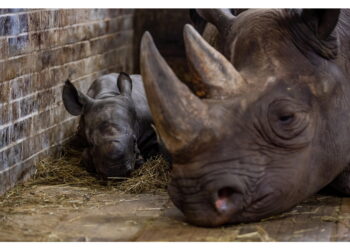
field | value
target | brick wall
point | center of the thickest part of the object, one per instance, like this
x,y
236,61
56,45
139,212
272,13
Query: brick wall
x,y
39,50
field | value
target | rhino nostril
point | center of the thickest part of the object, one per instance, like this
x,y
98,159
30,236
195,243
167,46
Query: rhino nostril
x,y
225,200
225,192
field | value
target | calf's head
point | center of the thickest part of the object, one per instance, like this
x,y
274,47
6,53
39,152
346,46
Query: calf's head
x,y
269,130
110,124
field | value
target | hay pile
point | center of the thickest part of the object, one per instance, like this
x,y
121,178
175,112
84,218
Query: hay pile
x,y
64,169
60,186
152,177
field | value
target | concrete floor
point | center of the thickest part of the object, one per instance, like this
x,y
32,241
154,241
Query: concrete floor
x,y
65,213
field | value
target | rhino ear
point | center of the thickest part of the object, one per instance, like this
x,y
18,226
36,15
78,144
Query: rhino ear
x,y
321,21
74,101
197,21
236,12
220,18
124,84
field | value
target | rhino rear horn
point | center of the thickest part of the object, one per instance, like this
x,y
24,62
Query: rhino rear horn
x,y
321,21
220,18
74,101
178,114
217,74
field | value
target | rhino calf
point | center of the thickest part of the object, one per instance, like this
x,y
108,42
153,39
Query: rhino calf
x,y
115,123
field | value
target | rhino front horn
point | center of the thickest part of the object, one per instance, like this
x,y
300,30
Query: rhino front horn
x,y
218,76
178,114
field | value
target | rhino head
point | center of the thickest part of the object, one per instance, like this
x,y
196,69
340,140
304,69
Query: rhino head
x,y
110,127
272,126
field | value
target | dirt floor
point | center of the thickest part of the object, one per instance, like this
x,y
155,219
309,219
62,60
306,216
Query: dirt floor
x,y
66,213
39,211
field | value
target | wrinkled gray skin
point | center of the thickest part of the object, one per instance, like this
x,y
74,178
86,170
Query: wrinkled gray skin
x,y
274,125
115,124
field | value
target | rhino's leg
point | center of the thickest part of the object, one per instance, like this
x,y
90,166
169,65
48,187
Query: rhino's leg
x,y
79,139
342,182
139,159
87,161
81,133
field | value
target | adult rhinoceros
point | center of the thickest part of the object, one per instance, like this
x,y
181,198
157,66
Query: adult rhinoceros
x,y
273,125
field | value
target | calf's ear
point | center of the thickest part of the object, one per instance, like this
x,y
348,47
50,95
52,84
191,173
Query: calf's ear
x,y
321,21
74,101
124,84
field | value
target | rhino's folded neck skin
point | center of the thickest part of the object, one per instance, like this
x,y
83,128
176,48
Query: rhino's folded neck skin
x,y
272,126
307,42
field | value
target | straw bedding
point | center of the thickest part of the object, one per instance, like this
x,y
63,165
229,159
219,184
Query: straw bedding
x,y
66,169
152,177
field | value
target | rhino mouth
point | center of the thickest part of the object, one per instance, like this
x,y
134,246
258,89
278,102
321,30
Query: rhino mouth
x,y
106,167
123,169
225,197
211,204
227,208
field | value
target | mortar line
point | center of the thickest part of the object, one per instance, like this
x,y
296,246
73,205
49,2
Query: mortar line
x,y
59,66
38,51
20,13
29,158
65,64
56,105
29,115
53,87
36,134
89,22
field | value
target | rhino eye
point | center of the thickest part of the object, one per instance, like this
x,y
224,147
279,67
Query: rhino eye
x,y
286,119
104,126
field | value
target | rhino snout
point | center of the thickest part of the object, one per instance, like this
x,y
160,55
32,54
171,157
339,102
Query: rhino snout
x,y
115,158
209,202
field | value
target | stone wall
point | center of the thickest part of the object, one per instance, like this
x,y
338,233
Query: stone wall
x,y
39,50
